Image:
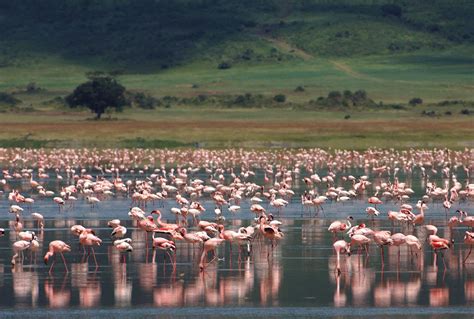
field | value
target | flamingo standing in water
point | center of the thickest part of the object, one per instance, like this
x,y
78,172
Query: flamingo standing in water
x,y
123,246
438,244
88,238
340,226
57,247
163,244
383,238
18,248
341,247
374,201
209,245
468,240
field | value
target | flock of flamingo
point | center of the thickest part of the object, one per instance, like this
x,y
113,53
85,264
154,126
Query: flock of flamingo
x,y
186,179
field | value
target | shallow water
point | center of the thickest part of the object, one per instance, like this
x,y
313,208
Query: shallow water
x,y
297,278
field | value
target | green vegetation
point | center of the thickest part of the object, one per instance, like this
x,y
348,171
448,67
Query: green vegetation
x,y
302,73
98,94
239,127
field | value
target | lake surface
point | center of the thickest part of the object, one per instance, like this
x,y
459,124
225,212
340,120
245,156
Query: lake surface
x,y
297,279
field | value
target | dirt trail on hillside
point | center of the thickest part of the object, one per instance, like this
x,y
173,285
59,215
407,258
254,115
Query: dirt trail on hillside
x,y
287,47
351,72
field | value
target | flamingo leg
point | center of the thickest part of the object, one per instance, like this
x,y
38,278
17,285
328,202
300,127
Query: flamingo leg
x,y
95,259
444,262
64,260
154,255
52,264
381,255
470,250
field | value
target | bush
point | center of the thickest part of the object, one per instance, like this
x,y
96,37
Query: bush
x,y
8,99
465,112
32,88
415,101
280,98
299,88
335,97
224,66
145,101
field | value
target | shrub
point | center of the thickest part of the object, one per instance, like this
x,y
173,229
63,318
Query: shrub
x,y
415,101
224,66
299,88
145,101
280,98
8,99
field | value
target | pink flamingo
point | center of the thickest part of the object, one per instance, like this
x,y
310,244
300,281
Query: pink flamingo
x,y
341,247
383,238
340,226
209,245
55,247
468,240
374,201
163,244
88,238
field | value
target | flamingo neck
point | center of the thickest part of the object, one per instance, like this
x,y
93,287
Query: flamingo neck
x,y
348,223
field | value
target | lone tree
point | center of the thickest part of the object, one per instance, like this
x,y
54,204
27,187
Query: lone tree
x,y
98,94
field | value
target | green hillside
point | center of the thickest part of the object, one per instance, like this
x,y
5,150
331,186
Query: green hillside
x,y
395,50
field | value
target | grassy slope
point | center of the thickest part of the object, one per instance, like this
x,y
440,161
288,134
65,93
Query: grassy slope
x,y
321,45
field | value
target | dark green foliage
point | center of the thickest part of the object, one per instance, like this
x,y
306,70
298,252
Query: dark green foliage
x,y
345,99
144,101
299,88
32,88
430,113
280,98
466,112
151,35
224,66
8,99
98,94
415,101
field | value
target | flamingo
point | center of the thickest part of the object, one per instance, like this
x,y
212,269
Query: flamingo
x,y
372,211
438,244
18,248
209,245
383,238
119,232
39,219
340,226
469,241
88,238
341,247
123,246
55,247
398,239
413,241
59,201
163,225
374,201
361,241
163,244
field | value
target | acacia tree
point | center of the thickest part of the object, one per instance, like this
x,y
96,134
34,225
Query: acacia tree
x,y
98,94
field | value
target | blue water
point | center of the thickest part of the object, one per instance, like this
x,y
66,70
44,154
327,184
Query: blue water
x,y
297,280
